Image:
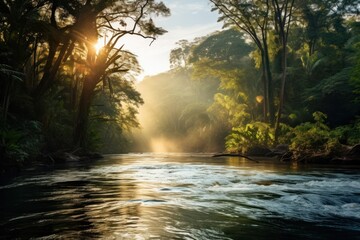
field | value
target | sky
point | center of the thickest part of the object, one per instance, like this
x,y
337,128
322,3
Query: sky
x,y
189,19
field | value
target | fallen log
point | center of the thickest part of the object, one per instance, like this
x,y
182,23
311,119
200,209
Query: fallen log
x,y
234,155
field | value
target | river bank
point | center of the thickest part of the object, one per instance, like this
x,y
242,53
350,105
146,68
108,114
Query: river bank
x,y
10,169
348,155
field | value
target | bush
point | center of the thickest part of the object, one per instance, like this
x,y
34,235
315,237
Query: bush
x,y
314,137
309,138
286,134
348,134
20,143
11,149
252,134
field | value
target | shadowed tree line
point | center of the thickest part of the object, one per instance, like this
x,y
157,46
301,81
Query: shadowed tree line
x,y
283,72
58,92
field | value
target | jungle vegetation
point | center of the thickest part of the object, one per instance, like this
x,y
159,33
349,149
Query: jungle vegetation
x,y
281,72
58,92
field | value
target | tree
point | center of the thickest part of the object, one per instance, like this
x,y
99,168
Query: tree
x,y
283,15
179,57
135,19
8,77
50,44
113,115
224,57
253,18
318,17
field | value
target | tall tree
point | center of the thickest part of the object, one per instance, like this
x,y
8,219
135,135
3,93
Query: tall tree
x,y
224,56
134,18
49,39
318,17
283,10
253,18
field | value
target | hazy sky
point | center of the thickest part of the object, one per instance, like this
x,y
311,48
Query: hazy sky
x,y
189,19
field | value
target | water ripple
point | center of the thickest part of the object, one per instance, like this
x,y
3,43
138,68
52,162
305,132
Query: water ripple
x,y
181,197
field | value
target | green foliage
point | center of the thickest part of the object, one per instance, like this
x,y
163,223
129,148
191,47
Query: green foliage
x,y
20,143
179,57
224,57
335,89
348,134
94,141
113,115
314,137
11,150
286,134
227,46
355,71
250,135
45,68
56,120
320,119
236,111
50,73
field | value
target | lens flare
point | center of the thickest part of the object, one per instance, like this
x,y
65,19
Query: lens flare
x,y
98,46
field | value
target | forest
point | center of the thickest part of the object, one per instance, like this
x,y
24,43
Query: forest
x,y
279,73
58,92
286,73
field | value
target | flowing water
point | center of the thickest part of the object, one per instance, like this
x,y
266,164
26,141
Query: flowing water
x,y
181,196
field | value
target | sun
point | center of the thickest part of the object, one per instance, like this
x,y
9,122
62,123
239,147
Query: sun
x,y
99,45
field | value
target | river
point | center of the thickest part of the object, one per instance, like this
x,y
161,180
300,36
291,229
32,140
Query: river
x,y
181,196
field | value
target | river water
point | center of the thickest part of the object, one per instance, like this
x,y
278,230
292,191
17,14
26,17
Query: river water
x,y
181,196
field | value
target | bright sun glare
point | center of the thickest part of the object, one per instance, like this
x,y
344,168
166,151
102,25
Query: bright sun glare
x,y
99,45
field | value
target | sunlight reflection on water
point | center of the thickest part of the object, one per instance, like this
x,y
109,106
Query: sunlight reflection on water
x,y
182,196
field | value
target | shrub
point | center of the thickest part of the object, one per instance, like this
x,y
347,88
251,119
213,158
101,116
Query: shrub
x,y
348,134
250,135
314,137
20,143
11,149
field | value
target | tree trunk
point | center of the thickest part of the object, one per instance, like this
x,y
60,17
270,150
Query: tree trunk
x,y
52,68
82,118
283,24
270,90
6,99
282,91
266,92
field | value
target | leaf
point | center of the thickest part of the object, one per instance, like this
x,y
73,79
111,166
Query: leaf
x,y
9,72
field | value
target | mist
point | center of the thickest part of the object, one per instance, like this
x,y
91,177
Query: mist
x,y
175,116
